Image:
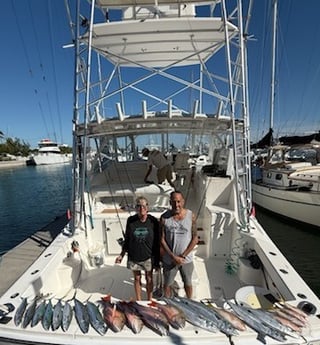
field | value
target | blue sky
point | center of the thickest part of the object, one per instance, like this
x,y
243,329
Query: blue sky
x,y
36,83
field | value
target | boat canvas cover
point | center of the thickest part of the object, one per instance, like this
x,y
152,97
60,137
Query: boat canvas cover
x,y
164,42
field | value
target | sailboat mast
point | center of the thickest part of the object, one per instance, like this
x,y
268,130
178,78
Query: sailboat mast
x,y
273,61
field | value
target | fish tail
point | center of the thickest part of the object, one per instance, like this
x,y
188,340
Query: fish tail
x,y
106,298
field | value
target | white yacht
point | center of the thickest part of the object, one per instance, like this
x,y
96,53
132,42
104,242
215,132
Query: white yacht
x,y
142,58
49,153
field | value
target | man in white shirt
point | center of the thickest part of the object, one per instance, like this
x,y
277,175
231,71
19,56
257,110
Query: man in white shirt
x,y
157,159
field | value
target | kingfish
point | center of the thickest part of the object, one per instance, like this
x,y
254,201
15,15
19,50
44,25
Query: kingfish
x,y
253,322
114,318
174,315
152,318
208,313
67,314
57,316
96,319
29,313
47,317
82,316
20,312
38,314
192,315
268,319
133,321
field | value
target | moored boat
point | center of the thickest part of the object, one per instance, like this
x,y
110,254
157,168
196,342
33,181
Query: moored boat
x,y
235,260
289,185
48,153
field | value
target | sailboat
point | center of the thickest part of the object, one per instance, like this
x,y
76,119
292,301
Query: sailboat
x,y
120,48
286,184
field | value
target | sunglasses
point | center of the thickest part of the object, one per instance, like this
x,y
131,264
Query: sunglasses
x,y
141,206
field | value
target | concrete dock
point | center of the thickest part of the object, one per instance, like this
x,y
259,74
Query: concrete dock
x,y
17,260
12,164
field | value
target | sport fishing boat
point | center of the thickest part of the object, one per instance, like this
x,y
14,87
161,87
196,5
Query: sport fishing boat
x,y
49,153
179,76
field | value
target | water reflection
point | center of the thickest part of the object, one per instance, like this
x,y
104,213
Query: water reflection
x,y
299,243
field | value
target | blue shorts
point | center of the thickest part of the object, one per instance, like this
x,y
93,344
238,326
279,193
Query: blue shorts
x,y
170,272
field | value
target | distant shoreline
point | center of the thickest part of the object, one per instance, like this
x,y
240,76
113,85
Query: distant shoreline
x,y
12,164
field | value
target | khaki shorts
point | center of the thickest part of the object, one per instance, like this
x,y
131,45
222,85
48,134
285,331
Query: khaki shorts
x,y
164,173
140,265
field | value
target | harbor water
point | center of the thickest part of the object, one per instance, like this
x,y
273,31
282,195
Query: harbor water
x,y
32,197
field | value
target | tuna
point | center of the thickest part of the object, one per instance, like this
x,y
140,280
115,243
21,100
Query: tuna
x,y
29,313
38,314
67,314
20,312
82,316
47,317
57,316
96,319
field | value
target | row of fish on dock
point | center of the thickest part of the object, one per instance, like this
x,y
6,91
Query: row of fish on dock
x,y
159,315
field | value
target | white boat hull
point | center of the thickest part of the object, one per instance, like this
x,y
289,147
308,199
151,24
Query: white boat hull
x,y
297,205
50,158
80,263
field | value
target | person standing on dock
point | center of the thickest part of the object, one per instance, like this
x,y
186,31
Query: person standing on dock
x,y
178,239
157,159
142,243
